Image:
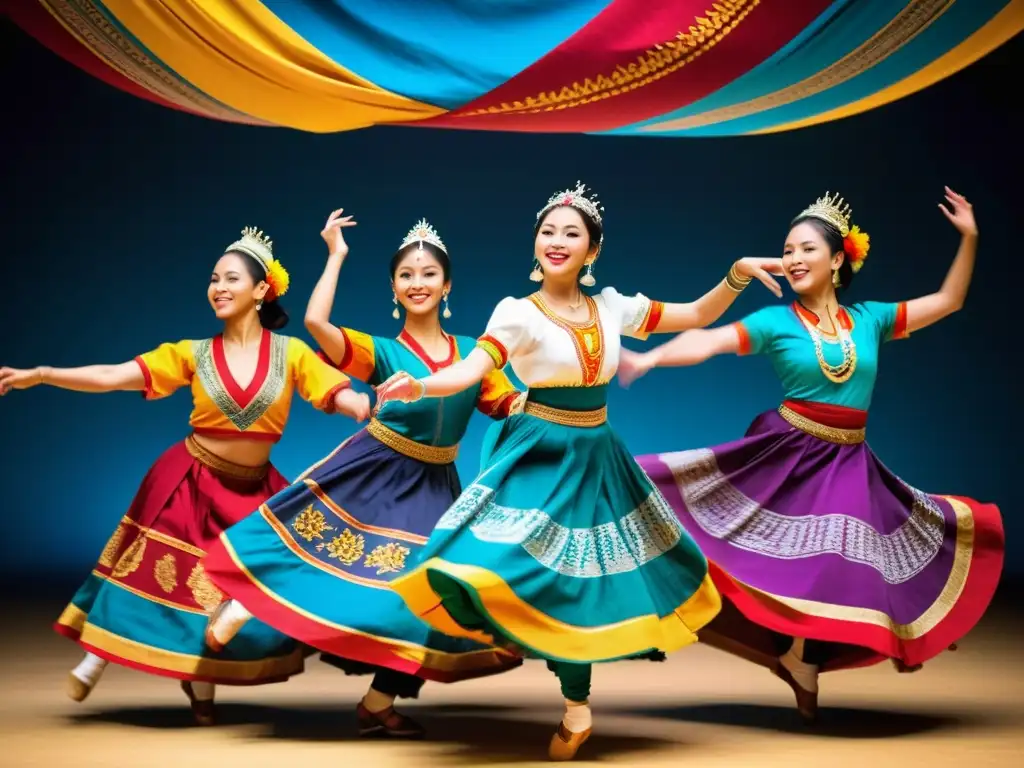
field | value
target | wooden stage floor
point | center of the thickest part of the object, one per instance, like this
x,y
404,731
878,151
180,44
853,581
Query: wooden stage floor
x,y
701,707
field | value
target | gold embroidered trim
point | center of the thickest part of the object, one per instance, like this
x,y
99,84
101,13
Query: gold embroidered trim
x,y
165,573
822,431
587,337
911,21
223,466
567,418
430,454
88,25
653,64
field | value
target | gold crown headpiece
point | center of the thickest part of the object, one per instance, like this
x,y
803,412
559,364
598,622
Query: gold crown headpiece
x,y
837,212
422,233
575,198
832,209
260,247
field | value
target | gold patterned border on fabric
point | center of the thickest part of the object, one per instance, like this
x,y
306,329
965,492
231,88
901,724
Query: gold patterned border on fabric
x,y
430,454
822,431
652,65
911,21
223,466
963,554
181,663
566,417
85,22
441,661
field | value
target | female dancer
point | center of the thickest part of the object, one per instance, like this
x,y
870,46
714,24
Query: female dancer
x,y
561,546
317,559
808,534
145,603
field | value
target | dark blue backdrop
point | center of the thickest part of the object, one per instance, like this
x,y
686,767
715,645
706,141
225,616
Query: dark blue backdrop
x,y
116,209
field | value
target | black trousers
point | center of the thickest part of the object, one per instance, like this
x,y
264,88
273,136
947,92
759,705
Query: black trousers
x,y
387,681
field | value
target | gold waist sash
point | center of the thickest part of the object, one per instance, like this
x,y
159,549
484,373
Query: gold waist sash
x,y
429,454
223,466
822,431
566,417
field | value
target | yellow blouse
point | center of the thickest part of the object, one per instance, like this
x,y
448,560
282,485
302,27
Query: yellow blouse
x,y
223,408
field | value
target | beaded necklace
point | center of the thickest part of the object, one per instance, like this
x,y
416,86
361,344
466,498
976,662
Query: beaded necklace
x,y
836,373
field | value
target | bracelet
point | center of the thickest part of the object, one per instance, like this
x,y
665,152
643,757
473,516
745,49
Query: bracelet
x,y
736,282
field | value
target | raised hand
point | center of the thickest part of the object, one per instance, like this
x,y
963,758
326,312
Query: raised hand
x,y
332,234
960,213
19,378
355,405
762,269
633,365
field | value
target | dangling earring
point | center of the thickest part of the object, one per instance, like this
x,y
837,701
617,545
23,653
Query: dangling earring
x,y
536,275
395,314
835,278
447,312
259,304
587,280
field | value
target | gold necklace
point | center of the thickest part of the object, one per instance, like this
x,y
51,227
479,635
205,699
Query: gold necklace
x,y
569,304
841,373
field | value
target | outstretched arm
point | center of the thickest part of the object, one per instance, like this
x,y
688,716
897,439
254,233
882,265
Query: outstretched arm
x,y
448,381
318,310
713,304
926,310
90,378
688,348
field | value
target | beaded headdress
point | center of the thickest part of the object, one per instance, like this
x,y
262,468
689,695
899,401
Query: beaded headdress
x,y
577,198
260,247
835,211
422,233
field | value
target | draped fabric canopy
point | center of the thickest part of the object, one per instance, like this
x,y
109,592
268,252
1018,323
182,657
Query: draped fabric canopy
x,y
633,67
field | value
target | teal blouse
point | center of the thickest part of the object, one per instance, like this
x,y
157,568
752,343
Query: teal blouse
x,y
779,333
437,421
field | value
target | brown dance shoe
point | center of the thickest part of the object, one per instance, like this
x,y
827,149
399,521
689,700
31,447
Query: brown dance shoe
x,y
77,690
565,743
202,709
806,701
905,669
387,724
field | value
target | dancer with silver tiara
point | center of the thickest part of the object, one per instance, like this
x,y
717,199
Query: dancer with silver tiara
x,y
146,602
317,559
561,547
813,542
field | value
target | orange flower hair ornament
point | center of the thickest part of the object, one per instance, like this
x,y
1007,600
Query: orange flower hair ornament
x,y
260,247
856,244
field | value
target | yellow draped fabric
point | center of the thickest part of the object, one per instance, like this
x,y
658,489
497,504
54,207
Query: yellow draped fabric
x,y
243,55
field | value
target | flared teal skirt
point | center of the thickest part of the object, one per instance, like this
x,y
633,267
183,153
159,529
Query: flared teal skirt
x,y
562,546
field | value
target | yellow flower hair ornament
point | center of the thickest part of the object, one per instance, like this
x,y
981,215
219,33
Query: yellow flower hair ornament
x,y
856,245
277,279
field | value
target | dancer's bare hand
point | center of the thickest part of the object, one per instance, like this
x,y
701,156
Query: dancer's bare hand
x,y
762,269
19,378
333,235
960,213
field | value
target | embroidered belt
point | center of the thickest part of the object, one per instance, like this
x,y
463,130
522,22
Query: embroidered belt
x,y
223,466
822,431
566,417
430,454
